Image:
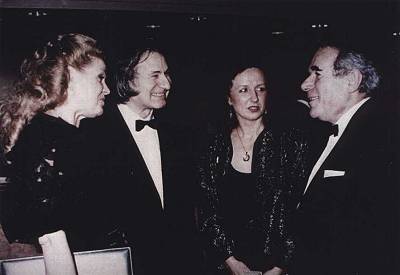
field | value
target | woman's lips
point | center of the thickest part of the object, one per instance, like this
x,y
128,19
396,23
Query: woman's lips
x,y
254,108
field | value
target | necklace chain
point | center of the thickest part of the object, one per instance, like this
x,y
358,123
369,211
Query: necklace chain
x,y
246,156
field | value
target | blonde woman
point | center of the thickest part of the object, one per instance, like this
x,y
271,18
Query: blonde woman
x,y
61,83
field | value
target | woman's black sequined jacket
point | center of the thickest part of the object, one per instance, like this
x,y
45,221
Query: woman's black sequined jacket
x,y
280,169
46,190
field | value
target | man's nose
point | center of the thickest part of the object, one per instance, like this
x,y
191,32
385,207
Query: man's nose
x,y
164,82
308,83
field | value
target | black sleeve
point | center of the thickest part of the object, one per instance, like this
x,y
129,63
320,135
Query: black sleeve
x,y
32,200
218,244
293,176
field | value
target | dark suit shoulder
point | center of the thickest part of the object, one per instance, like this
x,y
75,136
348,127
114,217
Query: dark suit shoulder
x,y
110,113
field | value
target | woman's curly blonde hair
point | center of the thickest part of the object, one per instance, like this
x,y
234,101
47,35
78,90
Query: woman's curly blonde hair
x,y
43,82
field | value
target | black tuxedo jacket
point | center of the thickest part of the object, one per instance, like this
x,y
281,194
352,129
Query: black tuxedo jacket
x,y
162,240
346,220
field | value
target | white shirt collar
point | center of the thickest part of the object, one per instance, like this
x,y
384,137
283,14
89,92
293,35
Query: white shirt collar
x,y
131,116
345,118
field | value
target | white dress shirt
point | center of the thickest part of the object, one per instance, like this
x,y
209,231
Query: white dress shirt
x,y
342,124
149,146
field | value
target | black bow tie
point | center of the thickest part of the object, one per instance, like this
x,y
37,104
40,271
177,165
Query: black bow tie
x,y
153,123
334,130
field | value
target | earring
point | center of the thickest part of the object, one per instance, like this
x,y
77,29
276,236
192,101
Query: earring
x,y
230,113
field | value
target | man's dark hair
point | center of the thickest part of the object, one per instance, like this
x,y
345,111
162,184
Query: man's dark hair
x,y
125,73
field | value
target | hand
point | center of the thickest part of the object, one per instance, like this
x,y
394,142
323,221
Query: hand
x,y
274,271
58,259
236,267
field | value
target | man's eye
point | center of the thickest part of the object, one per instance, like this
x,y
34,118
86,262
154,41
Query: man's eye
x,y
243,90
102,77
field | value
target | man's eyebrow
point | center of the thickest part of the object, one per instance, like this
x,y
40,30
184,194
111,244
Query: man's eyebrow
x,y
315,68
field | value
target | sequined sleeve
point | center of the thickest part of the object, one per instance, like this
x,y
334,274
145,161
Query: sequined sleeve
x,y
295,164
35,195
211,166
293,173
279,165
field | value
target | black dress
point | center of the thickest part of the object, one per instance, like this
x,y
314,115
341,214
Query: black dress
x,y
46,188
263,204
240,210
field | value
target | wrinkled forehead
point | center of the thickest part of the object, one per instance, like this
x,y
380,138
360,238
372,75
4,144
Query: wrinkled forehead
x,y
153,61
324,58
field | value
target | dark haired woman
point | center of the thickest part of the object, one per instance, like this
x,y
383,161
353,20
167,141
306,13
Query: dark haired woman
x,y
61,83
247,176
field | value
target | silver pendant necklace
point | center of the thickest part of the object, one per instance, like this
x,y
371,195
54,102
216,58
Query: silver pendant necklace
x,y
246,156
246,153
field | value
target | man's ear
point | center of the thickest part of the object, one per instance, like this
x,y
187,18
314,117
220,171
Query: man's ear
x,y
131,84
354,79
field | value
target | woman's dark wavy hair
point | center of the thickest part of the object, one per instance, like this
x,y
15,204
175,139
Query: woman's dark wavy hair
x,y
43,82
125,73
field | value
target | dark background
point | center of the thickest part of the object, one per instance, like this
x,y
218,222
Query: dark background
x,y
201,38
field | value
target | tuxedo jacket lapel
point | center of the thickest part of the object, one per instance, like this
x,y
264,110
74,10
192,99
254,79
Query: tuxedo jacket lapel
x,y
350,142
341,157
177,166
167,145
126,142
